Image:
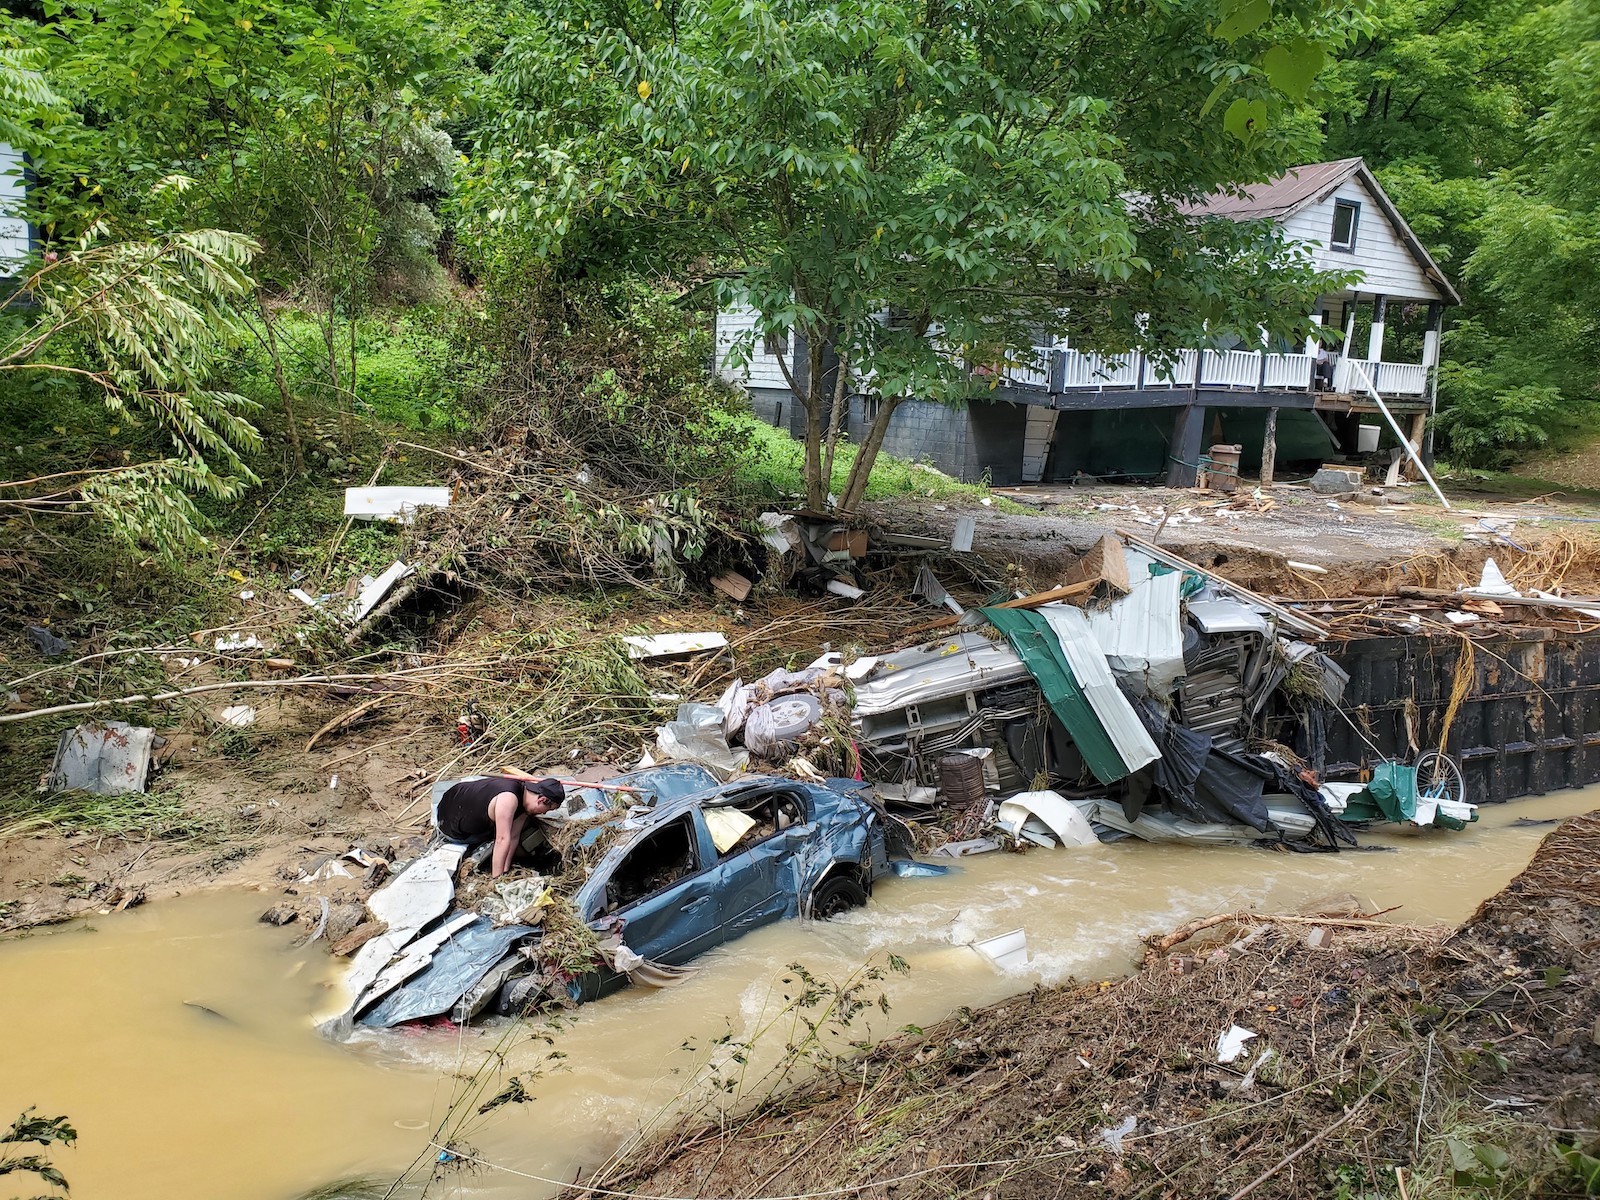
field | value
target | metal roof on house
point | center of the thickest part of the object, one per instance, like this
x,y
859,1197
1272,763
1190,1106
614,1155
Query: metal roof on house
x,y
1278,198
1298,187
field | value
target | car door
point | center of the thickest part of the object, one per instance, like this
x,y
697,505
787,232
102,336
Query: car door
x,y
663,893
757,881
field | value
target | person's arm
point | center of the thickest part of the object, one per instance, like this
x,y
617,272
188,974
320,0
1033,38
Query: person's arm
x,y
507,826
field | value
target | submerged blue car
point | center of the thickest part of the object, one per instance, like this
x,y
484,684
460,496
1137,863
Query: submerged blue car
x,y
697,867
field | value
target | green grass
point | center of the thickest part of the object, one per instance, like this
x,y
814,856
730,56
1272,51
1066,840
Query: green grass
x,y
1444,528
1513,486
160,814
775,467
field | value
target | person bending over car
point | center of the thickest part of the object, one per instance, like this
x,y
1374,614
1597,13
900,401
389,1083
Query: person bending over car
x,y
497,807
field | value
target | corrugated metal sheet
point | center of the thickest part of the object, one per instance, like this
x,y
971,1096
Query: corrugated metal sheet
x,y
1110,753
1141,634
1082,651
965,662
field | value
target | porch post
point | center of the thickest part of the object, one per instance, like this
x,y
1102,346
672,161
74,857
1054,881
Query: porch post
x,y
1430,364
1269,448
1188,431
1349,317
1312,342
1380,307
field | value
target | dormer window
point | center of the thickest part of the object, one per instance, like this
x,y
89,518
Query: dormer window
x,y
1346,216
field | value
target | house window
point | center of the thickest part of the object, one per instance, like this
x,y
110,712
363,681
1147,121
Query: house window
x,y
871,406
1346,215
775,344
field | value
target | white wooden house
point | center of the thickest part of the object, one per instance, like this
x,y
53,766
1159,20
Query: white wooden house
x,y
1062,413
14,232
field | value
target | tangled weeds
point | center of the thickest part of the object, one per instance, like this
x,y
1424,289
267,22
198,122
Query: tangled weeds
x,y
1403,1061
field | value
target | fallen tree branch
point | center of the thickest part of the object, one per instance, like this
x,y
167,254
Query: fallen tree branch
x,y
318,681
347,717
1189,928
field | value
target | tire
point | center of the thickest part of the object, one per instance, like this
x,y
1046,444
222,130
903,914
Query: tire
x,y
834,895
792,715
1439,777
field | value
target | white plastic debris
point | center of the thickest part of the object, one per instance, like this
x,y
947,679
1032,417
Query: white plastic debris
x,y
1058,814
961,540
239,715
1231,1044
332,869
1006,953
373,593
669,645
848,590
240,641
393,503
1493,581
1112,1136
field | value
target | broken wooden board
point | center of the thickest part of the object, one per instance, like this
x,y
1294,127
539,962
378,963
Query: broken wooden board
x,y
1105,562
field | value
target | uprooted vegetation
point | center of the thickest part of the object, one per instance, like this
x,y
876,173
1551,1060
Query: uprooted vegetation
x,y
1397,1061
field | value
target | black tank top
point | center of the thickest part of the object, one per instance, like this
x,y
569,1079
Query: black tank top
x,y
464,809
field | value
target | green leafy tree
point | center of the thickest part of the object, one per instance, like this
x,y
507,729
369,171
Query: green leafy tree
x,y
138,322
917,190
1479,117
309,125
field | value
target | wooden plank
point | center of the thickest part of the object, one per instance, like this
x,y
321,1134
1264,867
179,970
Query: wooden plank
x,y
1106,560
1033,601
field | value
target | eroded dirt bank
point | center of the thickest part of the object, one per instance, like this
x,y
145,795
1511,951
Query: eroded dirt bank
x,y
1403,1061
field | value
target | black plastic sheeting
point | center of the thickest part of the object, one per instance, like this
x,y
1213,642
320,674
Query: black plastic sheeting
x,y
1195,779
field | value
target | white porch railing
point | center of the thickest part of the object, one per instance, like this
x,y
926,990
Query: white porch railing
x,y
1391,379
1231,369
1030,370
1289,372
1245,370
1179,374
1101,371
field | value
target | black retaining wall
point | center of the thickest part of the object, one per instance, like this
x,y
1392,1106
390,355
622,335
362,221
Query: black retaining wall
x,y
1528,724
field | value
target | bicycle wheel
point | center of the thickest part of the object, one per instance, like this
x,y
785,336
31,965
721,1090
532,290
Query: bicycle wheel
x,y
1439,778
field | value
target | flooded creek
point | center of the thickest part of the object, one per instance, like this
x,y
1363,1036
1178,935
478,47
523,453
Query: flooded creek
x,y
240,1099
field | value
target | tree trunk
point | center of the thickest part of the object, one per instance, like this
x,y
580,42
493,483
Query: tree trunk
x,y
816,484
330,340
1269,448
861,470
271,342
835,419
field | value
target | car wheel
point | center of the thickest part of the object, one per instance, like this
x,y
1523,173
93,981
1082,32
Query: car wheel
x,y
792,715
835,895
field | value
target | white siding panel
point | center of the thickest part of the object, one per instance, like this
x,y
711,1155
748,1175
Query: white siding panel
x,y
763,371
13,230
1380,255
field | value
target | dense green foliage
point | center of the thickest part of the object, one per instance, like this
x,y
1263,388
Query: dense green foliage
x,y
1482,118
973,171
519,214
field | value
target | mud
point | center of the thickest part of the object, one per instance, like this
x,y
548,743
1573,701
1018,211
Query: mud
x,y
1368,542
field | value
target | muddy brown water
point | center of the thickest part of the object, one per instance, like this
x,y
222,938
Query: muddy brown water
x,y
240,1099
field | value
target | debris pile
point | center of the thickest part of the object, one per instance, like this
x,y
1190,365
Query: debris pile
x,y
630,879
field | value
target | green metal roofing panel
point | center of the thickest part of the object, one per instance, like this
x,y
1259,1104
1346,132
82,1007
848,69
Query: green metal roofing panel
x,y
1036,643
